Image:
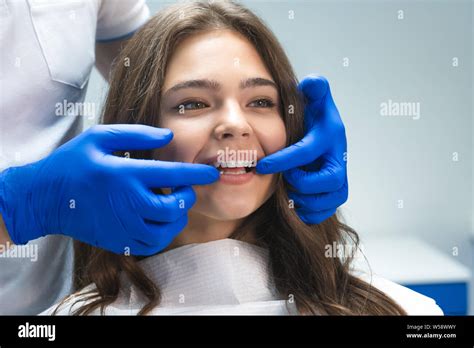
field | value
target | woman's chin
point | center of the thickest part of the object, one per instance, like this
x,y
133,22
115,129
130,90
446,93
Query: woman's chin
x,y
234,210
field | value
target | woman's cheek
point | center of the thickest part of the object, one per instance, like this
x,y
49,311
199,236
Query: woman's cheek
x,y
272,136
182,147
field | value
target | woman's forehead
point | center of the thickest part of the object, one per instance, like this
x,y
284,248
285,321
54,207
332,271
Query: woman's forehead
x,y
222,55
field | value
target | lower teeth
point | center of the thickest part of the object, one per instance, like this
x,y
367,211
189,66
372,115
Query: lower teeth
x,y
233,173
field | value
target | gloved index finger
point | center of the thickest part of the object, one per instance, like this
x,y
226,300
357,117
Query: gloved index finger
x,y
299,154
130,137
155,173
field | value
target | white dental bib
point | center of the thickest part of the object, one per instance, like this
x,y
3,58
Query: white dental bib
x,y
224,277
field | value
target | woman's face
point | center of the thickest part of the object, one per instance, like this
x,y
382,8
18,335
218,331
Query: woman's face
x,y
218,98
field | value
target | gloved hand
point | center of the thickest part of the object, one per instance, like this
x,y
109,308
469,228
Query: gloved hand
x,y
82,190
322,186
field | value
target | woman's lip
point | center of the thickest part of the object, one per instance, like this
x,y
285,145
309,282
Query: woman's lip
x,y
237,179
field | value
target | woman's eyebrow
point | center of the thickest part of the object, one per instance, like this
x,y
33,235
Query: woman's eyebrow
x,y
201,83
214,85
257,81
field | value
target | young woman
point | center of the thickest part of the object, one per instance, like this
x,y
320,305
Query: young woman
x,y
215,75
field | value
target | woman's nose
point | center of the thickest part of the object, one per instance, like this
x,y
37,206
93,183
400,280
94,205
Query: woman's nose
x,y
232,123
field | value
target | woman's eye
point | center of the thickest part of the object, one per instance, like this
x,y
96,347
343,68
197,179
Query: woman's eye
x,y
190,105
262,103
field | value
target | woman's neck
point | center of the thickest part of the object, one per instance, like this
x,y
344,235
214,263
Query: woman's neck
x,y
202,229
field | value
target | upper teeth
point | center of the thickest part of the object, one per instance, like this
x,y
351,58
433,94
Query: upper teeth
x,y
235,164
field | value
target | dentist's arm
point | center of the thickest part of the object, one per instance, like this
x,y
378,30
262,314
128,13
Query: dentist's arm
x,y
322,186
83,191
106,53
4,237
117,21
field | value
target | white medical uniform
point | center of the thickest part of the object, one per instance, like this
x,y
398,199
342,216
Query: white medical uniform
x,y
224,277
47,53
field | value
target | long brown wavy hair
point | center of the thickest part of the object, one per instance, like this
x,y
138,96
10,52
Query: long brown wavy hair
x,y
297,261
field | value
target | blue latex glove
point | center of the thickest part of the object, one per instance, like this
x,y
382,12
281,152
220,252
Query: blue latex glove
x,y
322,186
82,190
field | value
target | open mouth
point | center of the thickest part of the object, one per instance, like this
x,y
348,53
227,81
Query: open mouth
x,y
235,168
233,172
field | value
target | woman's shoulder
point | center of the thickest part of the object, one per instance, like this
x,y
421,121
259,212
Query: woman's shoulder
x,y
411,301
85,296
71,303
